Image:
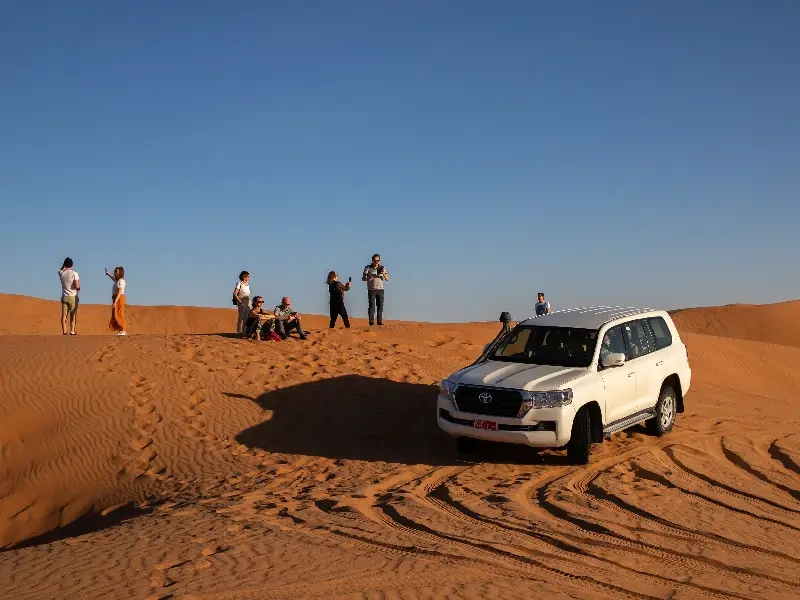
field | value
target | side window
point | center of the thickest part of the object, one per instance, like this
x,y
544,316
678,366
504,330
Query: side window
x,y
661,332
613,342
638,339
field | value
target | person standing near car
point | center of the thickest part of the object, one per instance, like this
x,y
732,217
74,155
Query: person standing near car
x,y
70,286
374,275
542,306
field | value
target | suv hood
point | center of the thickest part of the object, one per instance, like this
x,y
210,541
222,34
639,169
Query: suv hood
x,y
518,376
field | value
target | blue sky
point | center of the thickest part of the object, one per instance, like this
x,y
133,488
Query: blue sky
x,y
631,153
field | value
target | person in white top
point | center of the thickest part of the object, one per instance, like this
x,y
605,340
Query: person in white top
x,y
117,322
70,285
241,298
542,306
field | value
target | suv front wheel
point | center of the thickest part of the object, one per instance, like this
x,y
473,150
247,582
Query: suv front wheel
x,y
664,418
580,441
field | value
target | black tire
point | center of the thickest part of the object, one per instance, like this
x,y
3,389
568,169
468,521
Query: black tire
x,y
465,445
580,441
664,419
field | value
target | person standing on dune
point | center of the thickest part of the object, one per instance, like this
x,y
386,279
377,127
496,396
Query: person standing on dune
x,y
70,286
241,298
337,289
374,275
117,322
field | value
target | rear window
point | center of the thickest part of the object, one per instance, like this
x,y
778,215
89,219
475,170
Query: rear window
x,y
663,336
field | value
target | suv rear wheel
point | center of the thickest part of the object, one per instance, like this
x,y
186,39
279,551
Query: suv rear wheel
x,y
664,418
580,441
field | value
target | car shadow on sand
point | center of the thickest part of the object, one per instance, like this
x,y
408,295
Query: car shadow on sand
x,y
363,418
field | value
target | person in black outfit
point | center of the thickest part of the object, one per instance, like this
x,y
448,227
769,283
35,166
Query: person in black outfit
x,y
337,289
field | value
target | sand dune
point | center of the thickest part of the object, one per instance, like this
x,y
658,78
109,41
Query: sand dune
x,y
770,323
200,466
32,316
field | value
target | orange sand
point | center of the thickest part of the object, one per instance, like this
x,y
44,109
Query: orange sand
x,y
170,465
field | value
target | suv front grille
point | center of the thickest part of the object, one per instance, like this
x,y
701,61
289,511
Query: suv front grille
x,y
504,403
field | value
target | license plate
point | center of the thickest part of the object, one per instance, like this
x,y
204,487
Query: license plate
x,y
481,424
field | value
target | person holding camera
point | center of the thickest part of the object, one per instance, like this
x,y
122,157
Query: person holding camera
x,y
288,320
374,275
337,290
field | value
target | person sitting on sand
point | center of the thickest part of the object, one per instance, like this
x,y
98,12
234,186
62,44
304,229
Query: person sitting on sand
x,y
117,322
70,286
259,322
337,289
288,320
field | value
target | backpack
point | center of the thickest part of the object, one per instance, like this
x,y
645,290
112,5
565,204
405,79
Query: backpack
x,y
233,297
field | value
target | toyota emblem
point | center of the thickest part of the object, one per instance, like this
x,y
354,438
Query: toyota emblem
x,y
485,397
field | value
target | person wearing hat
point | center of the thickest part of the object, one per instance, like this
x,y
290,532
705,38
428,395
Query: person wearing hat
x,y
287,320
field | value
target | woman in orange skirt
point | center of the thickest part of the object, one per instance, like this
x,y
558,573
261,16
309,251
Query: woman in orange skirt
x,y
118,301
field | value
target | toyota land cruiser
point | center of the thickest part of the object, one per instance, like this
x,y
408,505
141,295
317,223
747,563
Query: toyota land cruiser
x,y
569,379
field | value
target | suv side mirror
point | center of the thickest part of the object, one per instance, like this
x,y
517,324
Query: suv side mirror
x,y
613,359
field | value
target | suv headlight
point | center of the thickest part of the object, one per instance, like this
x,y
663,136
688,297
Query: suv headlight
x,y
553,399
448,389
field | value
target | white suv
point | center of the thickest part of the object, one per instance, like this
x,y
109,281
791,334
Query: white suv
x,y
570,378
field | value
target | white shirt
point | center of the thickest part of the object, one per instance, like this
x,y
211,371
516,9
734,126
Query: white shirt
x,y
68,277
118,287
243,289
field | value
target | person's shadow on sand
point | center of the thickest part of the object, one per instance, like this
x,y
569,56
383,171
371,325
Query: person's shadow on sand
x,y
362,418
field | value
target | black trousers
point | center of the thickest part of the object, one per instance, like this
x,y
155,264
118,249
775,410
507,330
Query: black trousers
x,y
338,310
375,298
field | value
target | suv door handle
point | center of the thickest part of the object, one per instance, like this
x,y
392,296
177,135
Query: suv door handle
x,y
659,363
632,373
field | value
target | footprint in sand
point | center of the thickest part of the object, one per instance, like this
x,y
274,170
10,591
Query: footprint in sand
x,y
141,443
140,453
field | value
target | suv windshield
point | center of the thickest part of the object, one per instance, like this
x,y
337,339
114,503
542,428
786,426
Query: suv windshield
x,y
555,346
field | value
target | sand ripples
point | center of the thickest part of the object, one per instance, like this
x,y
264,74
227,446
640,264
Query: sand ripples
x,y
225,468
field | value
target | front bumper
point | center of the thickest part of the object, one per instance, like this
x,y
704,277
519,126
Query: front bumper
x,y
540,428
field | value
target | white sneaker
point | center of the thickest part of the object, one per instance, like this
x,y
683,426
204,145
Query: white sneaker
x,y
122,333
